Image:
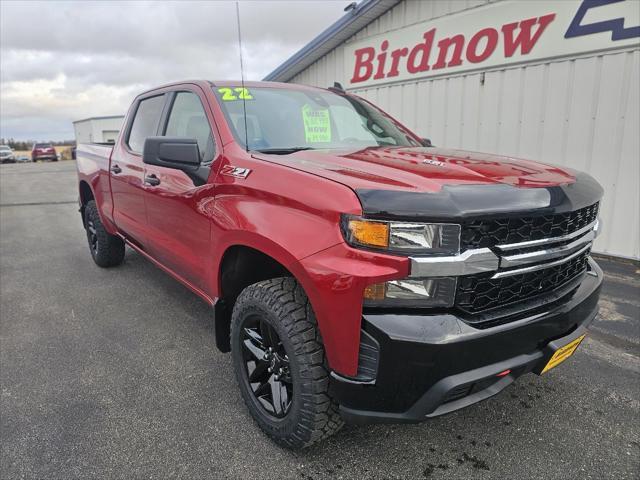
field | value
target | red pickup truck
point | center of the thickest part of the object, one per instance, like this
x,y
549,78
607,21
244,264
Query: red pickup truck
x,y
355,272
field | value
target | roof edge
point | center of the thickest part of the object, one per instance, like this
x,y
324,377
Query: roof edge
x,y
331,37
98,118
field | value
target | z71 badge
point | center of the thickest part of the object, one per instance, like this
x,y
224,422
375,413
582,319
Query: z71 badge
x,y
238,172
437,163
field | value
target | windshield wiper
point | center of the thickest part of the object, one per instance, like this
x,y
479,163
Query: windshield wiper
x,y
283,151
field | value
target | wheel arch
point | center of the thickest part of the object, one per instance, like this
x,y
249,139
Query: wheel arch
x,y
85,196
243,264
88,190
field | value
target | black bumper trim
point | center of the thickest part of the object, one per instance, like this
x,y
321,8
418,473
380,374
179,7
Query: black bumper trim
x,y
430,405
433,365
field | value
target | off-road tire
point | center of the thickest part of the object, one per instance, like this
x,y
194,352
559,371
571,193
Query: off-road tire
x,y
108,251
313,414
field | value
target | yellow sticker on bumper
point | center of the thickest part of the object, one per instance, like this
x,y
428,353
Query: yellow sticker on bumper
x,y
563,353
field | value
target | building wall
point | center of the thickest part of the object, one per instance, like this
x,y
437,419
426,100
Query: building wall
x,y
110,135
97,129
101,125
582,113
83,131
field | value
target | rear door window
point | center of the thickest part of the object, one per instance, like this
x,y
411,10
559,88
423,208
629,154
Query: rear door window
x,y
145,123
188,120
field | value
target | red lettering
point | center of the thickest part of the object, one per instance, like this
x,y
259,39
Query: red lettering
x,y
381,60
492,41
519,37
363,63
524,40
456,58
396,55
424,49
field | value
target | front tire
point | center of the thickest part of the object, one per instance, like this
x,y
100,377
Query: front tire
x,y
106,250
279,361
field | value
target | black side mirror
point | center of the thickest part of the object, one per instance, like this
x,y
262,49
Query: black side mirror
x,y
172,152
426,142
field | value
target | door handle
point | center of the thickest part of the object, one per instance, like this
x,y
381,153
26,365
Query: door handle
x,y
152,180
116,169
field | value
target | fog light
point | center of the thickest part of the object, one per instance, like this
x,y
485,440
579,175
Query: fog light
x,y
375,292
415,292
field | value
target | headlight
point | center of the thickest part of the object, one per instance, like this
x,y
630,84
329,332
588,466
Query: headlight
x,y
402,237
426,292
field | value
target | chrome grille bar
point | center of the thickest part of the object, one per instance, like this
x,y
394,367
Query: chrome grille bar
x,y
483,260
546,241
546,254
478,260
540,266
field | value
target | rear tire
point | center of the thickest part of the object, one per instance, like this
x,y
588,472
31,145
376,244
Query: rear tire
x,y
106,250
273,327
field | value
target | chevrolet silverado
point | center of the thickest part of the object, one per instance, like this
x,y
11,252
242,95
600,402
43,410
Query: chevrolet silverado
x,y
355,272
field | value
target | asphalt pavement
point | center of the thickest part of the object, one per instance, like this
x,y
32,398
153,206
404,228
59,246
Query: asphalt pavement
x,y
114,374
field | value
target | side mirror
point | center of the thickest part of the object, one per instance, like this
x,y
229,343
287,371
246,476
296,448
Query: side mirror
x,y
172,152
426,142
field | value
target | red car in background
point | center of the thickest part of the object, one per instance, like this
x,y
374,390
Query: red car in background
x,y
43,151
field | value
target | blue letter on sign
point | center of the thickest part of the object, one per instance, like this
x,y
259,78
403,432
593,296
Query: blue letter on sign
x,y
615,26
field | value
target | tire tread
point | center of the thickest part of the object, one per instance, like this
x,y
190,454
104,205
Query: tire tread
x,y
319,415
110,248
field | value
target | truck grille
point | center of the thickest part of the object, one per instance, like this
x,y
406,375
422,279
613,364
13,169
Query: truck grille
x,y
488,233
479,293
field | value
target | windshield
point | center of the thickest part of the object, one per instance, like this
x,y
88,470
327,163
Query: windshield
x,y
5,148
43,145
283,120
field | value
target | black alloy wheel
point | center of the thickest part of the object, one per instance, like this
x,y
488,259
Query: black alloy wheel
x,y
279,361
267,368
92,236
106,250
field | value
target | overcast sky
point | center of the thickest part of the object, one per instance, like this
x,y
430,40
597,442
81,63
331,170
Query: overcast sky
x,y
63,61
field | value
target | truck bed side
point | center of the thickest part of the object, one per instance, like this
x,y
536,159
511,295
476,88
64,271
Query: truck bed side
x,y
93,179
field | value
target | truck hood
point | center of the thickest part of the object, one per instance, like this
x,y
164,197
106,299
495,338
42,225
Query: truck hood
x,y
421,169
394,181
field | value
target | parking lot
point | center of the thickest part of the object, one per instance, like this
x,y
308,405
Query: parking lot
x,y
114,374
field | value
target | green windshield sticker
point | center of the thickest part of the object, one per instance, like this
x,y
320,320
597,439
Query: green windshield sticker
x,y
317,126
231,94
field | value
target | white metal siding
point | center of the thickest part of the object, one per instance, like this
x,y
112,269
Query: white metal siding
x,y
94,129
83,131
100,125
582,113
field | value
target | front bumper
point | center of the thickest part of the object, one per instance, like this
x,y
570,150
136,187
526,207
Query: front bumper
x,y
430,365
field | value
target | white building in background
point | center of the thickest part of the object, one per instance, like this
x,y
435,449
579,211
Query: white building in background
x,y
98,129
556,81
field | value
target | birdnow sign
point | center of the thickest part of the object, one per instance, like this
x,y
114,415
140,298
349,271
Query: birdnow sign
x,y
498,34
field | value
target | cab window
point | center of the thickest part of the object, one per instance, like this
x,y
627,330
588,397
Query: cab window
x,y
188,120
145,123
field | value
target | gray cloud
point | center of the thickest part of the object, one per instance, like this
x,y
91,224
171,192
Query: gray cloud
x,y
60,61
